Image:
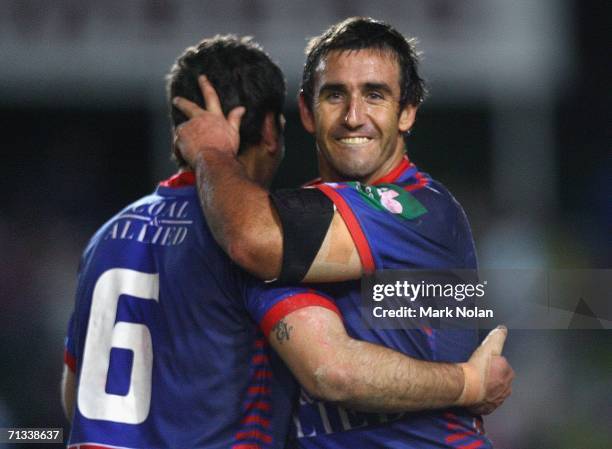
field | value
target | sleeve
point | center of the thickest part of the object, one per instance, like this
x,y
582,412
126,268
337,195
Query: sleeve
x,y
394,228
268,304
70,346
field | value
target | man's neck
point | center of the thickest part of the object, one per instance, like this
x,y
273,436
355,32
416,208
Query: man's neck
x,y
255,169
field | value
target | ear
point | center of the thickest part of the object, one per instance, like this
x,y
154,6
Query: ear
x,y
306,114
270,138
406,118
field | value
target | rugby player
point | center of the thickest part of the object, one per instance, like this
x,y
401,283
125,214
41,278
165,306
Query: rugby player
x,y
360,94
162,350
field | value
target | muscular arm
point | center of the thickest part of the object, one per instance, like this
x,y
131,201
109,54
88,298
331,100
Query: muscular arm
x,y
333,366
240,214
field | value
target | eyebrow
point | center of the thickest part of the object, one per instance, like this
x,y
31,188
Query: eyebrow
x,y
332,87
382,87
339,87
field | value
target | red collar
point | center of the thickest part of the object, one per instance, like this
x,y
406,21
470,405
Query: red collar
x,y
395,173
182,179
389,178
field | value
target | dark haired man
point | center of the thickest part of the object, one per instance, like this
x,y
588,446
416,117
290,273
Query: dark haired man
x,y
359,97
164,343
161,351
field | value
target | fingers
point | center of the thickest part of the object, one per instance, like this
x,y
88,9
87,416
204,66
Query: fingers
x,y
493,403
187,107
500,373
211,99
498,386
213,104
495,340
235,116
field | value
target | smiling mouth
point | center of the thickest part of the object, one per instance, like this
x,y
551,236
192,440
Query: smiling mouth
x,y
354,140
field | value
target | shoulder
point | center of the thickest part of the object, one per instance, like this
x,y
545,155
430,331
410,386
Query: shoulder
x,y
439,201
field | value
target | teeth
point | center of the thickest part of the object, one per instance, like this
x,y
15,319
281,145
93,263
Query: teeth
x,y
355,140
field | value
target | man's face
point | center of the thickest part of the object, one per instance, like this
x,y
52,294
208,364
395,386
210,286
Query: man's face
x,y
356,116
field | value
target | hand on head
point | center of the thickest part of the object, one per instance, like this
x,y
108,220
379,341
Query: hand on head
x,y
207,128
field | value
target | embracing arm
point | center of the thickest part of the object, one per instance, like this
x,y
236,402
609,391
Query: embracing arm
x,y
240,214
332,366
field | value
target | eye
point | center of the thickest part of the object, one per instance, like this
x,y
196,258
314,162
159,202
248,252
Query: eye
x,y
334,96
375,96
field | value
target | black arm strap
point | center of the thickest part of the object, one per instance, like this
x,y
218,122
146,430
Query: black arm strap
x,y
305,215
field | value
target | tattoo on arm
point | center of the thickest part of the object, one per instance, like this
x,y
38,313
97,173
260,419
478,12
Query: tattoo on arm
x,y
282,331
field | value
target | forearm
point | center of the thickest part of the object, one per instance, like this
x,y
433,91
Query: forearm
x,y
239,213
334,367
377,379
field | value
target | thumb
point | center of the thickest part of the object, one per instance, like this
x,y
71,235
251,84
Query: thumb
x,y
235,116
476,369
494,343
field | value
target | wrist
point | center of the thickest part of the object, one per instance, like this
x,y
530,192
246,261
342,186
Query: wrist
x,y
472,386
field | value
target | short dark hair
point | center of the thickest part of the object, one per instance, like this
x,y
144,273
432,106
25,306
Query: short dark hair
x,y
359,33
241,73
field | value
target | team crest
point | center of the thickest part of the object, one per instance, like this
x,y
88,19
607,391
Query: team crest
x,y
391,198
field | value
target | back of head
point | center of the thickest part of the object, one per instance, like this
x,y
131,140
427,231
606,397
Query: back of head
x,y
361,33
241,73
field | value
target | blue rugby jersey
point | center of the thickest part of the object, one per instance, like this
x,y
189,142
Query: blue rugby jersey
x,y
165,337
405,220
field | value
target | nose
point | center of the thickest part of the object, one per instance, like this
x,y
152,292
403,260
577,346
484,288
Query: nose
x,y
355,113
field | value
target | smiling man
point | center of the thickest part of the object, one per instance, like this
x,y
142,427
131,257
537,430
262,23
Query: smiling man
x,y
360,93
356,115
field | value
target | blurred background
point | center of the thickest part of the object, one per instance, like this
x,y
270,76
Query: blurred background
x,y
517,126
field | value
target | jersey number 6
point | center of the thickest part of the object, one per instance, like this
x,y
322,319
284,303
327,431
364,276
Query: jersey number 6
x,y
103,334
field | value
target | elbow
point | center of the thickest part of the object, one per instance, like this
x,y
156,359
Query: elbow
x,y
254,254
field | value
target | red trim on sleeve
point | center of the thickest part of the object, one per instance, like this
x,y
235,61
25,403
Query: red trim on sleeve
x,y
361,242
292,303
182,179
70,361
